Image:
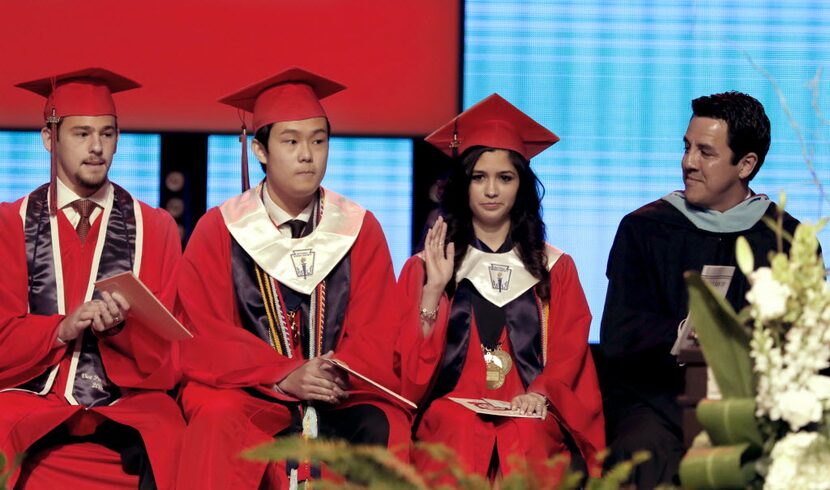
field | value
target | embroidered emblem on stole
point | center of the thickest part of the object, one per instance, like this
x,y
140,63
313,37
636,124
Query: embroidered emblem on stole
x,y
303,260
500,277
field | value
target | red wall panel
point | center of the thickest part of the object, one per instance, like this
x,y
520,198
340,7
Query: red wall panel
x,y
399,59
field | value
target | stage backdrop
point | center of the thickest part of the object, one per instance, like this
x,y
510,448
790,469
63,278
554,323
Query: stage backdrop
x,y
614,79
399,60
24,164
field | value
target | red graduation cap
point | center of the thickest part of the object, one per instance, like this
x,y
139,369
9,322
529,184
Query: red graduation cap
x,y
496,123
86,92
291,95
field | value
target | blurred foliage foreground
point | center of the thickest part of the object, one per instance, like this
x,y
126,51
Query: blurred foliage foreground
x,y
373,467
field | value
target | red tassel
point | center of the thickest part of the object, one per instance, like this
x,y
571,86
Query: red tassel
x,y
454,142
53,165
53,121
243,138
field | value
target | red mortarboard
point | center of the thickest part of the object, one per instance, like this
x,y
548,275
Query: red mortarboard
x,y
85,92
291,95
496,123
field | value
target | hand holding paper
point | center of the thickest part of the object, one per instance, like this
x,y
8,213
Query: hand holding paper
x,y
316,379
500,408
719,277
342,365
144,306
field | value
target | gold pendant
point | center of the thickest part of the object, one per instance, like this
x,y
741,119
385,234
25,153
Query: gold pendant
x,y
498,364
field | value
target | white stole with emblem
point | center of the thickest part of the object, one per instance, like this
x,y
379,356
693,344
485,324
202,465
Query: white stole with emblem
x,y
500,277
298,263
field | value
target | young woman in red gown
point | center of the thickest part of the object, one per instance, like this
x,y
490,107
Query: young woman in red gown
x,y
489,310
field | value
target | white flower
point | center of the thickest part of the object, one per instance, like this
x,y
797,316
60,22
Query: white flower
x,y
799,407
790,346
820,386
767,296
799,461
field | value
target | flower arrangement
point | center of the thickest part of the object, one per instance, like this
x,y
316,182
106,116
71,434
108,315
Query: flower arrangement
x,y
772,429
789,311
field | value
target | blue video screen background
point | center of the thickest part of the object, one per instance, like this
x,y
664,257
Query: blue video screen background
x,y
24,164
374,172
614,79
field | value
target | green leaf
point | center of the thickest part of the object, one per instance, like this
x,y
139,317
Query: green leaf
x,y
7,468
719,467
724,341
743,252
730,421
777,228
370,466
615,477
4,472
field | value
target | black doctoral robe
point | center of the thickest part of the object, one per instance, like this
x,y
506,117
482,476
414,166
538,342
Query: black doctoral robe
x,y
647,299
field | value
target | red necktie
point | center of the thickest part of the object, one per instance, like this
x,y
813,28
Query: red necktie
x,y
84,207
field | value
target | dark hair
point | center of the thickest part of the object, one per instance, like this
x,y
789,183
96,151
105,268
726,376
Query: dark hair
x,y
262,134
527,230
747,124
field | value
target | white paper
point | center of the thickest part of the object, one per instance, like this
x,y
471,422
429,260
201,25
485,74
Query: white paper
x,y
144,305
488,406
342,365
719,277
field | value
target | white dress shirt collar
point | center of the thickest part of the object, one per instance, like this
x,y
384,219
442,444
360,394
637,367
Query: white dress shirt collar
x,y
281,216
67,196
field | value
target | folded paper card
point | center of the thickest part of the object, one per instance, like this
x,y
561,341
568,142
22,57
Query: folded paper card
x,y
144,306
342,365
487,406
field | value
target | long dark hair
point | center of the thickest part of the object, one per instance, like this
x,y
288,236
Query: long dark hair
x,y
527,230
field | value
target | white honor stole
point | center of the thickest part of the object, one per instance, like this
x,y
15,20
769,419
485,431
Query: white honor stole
x,y
298,263
500,277
93,273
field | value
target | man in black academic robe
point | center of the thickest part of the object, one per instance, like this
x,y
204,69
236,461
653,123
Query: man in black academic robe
x,y
725,145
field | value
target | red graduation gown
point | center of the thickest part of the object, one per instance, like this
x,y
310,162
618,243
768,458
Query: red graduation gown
x,y
140,363
224,358
568,381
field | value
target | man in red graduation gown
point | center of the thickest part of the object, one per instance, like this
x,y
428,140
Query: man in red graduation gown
x,y
82,381
274,282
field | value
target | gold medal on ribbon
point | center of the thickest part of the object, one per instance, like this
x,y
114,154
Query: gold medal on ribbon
x,y
498,364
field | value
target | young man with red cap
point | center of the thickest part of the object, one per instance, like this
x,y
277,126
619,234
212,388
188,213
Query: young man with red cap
x,y
275,282
489,310
82,382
